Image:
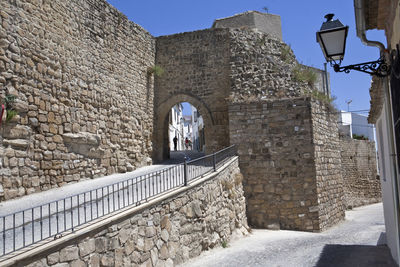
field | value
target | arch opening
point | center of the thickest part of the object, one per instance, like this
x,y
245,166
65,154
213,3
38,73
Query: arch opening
x,y
185,132
187,119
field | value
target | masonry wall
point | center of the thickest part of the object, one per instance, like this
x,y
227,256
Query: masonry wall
x,y
78,71
165,234
196,70
287,185
328,164
361,181
274,140
262,68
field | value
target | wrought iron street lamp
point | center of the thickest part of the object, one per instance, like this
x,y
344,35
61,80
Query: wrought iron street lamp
x,y
332,39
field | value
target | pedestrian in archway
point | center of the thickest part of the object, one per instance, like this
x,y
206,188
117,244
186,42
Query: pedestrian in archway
x,y
175,142
187,143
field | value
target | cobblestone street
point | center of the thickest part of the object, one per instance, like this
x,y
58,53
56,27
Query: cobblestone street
x,y
351,243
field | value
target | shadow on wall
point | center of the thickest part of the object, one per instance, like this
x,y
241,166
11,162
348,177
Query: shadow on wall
x,y
355,255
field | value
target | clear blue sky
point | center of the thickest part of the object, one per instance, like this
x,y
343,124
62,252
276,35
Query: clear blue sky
x,y
300,21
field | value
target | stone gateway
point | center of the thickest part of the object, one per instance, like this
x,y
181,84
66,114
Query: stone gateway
x,y
79,79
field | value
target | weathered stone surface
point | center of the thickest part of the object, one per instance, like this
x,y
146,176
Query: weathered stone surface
x,y
16,132
16,143
53,258
69,254
290,156
361,180
82,138
87,247
107,260
67,85
77,263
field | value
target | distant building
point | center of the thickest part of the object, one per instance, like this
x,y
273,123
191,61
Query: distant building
x,y
187,127
176,127
355,124
198,137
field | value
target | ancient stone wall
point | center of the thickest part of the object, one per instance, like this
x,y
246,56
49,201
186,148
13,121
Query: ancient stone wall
x,y
165,234
196,70
361,181
261,67
287,185
78,71
328,165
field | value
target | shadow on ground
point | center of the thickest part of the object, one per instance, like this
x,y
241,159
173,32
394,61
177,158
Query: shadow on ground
x,y
355,256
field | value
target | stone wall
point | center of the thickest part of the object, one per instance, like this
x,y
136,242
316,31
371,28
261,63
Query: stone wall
x,y
165,234
78,70
361,181
287,183
196,70
328,164
261,68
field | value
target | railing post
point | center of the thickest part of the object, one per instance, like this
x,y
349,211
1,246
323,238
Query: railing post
x,y
185,173
214,161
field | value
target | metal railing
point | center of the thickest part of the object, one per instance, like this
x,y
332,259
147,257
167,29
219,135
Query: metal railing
x,y
51,220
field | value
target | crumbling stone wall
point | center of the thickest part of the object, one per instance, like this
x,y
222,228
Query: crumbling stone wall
x,y
262,67
78,70
361,181
166,234
287,185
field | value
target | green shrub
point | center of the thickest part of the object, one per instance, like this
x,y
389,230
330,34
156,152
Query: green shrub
x,y
360,137
156,70
322,98
11,114
286,53
304,74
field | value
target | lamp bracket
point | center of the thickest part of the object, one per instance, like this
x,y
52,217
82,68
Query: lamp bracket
x,y
378,68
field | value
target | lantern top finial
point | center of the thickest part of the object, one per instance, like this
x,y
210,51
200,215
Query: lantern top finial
x,y
329,17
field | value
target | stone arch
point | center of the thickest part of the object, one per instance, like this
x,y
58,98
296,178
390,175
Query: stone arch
x,y
161,122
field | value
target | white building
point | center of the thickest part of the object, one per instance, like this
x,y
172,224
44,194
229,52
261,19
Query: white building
x,y
385,108
355,124
198,131
176,127
188,126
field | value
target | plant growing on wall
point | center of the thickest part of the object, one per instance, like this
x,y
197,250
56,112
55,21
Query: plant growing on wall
x,y
303,74
322,98
9,112
156,70
286,53
360,137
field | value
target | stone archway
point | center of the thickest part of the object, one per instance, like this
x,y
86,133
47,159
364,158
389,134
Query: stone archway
x,y
196,70
161,124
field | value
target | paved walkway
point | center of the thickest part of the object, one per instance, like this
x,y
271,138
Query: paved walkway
x,y
352,243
